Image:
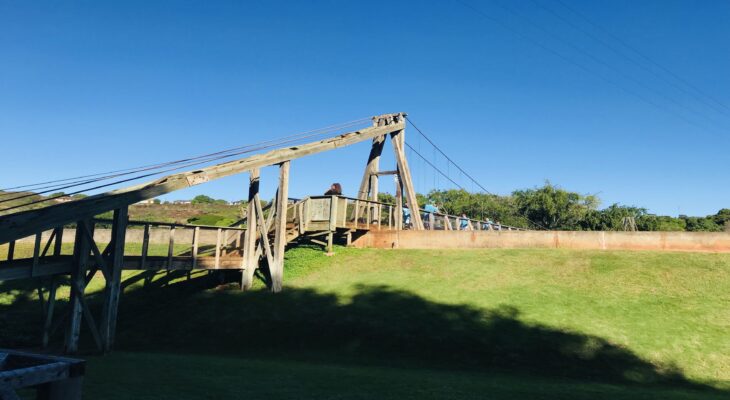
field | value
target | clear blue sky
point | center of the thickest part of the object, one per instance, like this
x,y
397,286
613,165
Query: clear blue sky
x,y
93,86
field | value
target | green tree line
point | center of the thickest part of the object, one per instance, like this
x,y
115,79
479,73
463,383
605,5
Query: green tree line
x,y
554,208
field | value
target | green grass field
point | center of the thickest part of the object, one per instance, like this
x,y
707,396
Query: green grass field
x,y
502,324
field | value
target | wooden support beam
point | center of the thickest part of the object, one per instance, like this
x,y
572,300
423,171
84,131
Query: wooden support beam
x,y
398,203
369,184
36,252
82,248
145,246
171,245
58,246
398,140
11,250
277,272
113,290
250,261
49,242
25,223
263,231
48,320
218,248
194,252
88,231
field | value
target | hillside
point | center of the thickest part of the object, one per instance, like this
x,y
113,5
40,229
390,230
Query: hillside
x,y
503,324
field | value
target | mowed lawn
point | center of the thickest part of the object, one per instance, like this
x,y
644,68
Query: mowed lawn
x,y
502,324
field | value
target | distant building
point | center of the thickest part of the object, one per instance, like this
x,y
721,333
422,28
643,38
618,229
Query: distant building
x,y
237,202
182,202
64,199
148,201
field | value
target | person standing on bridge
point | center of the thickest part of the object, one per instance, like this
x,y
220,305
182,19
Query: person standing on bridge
x,y
429,209
335,190
463,222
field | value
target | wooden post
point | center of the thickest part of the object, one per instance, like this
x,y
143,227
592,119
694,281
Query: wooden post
x,y
82,250
390,217
57,248
250,261
218,249
333,213
112,291
11,250
277,271
48,320
145,246
36,253
194,252
369,183
404,172
357,212
447,223
171,247
398,203
431,221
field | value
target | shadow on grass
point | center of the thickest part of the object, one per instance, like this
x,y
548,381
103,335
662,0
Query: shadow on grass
x,y
378,325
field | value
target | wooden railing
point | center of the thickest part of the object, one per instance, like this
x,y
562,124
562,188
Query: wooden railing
x,y
330,212
228,240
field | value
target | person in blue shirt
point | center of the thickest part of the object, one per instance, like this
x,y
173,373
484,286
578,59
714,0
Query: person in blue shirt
x,y
463,222
429,209
406,217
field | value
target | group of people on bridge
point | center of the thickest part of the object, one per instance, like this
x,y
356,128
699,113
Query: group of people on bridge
x,y
428,210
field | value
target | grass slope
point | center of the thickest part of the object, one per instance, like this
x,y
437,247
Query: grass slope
x,y
503,324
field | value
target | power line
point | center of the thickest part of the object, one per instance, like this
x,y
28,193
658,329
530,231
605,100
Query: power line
x,y
624,55
196,161
579,65
461,170
301,135
447,157
609,66
642,55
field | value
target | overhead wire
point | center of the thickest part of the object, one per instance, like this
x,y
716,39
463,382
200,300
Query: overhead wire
x,y
627,57
459,168
698,91
607,65
164,164
581,66
196,161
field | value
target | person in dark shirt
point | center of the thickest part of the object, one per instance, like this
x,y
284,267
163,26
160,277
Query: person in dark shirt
x,y
335,190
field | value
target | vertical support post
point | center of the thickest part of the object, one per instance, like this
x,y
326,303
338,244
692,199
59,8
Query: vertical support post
x,y
218,249
194,252
171,247
82,249
49,313
277,270
431,221
333,213
250,261
404,172
145,246
113,289
11,250
36,253
398,203
57,247
357,213
369,183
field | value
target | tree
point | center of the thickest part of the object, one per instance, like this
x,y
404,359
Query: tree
x,y
554,208
202,199
611,218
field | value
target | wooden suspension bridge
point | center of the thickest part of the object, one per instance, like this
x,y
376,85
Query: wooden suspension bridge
x,y
258,241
